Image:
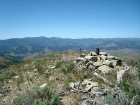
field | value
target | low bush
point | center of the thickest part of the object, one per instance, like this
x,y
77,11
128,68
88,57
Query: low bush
x,y
110,100
40,69
68,68
6,75
59,64
18,101
38,96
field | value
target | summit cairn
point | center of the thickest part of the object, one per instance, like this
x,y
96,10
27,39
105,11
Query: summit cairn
x,y
101,61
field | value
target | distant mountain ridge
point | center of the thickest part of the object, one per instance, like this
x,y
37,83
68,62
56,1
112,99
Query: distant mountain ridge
x,y
25,47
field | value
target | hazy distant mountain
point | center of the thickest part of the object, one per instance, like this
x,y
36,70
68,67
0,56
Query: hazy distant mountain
x,y
36,46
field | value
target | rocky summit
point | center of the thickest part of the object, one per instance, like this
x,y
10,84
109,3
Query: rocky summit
x,y
71,78
104,62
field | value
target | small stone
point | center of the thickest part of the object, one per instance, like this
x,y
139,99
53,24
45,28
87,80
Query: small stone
x,y
51,67
35,70
15,77
51,78
71,84
46,72
42,86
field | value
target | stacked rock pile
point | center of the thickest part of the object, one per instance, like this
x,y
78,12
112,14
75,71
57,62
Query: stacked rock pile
x,y
103,62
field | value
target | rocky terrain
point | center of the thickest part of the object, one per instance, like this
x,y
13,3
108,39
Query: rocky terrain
x,y
86,78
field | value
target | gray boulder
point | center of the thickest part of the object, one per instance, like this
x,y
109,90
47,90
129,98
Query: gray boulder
x,y
92,58
108,63
104,68
103,57
93,54
116,63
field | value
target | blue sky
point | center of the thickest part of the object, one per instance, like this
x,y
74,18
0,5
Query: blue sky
x,y
69,18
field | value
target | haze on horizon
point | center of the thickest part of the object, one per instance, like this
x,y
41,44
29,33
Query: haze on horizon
x,y
70,18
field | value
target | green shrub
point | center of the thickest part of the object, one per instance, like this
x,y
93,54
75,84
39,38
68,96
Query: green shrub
x,y
59,64
38,102
45,93
66,84
128,85
40,69
110,100
64,70
38,96
18,101
6,75
4,91
55,100
68,68
83,86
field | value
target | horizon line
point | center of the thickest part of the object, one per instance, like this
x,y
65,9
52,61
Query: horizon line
x,y
74,38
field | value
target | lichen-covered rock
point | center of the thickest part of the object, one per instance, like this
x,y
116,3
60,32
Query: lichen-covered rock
x,y
97,64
